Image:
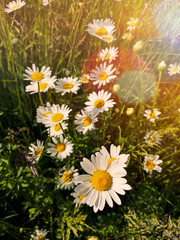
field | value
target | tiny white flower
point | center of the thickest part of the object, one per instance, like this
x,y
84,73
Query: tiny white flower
x,y
14,5
151,163
161,66
36,150
85,78
67,85
152,138
40,235
152,116
129,111
109,54
173,69
78,199
35,75
66,178
46,2
127,36
132,23
115,88
137,46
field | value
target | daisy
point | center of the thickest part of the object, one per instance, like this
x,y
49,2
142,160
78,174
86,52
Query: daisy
x,y
61,147
46,2
99,102
114,155
66,180
85,121
151,163
67,85
137,46
40,235
43,86
57,114
127,36
14,5
161,66
78,199
85,78
102,75
57,129
152,116
102,183
101,28
36,151
35,75
129,111
109,54
132,23
108,38
152,138
173,69
42,113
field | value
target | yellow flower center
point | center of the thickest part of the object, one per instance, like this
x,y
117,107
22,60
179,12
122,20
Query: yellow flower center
x,y
38,152
110,160
133,24
87,121
109,39
153,139
101,180
41,237
101,32
43,86
67,177
82,196
103,76
128,37
108,55
99,103
37,76
152,115
84,79
175,69
68,86
45,115
57,127
60,147
57,117
150,165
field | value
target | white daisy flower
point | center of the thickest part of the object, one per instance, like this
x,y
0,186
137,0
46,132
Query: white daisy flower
x,y
66,180
78,199
61,147
40,235
85,78
35,75
102,183
67,85
161,66
137,46
127,36
152,116
152,138
57,114
46,2
115,155
36,151
101,28
42,113
85,121
43,85
173,69
57,129
14,5
151,163
99,102
108,38
109,54
129,111
102,74
132,23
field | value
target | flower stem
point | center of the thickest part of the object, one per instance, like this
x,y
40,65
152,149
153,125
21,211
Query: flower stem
x,y
157,88
40,98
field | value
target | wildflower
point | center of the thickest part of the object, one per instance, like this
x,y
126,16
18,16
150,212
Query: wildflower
x,y
173,69
67,85
102,183
78,199
108,38
101,28
36,151
35,75
161,66
132,23
42,113
152,138
85,121
61,147
85,78
40,235
138,46
46,2
115,88
109,54
102,75
66,180
99,102
114,155
151,163
57,129
94,237
129,111
14,5
152,116
127,36
43,86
